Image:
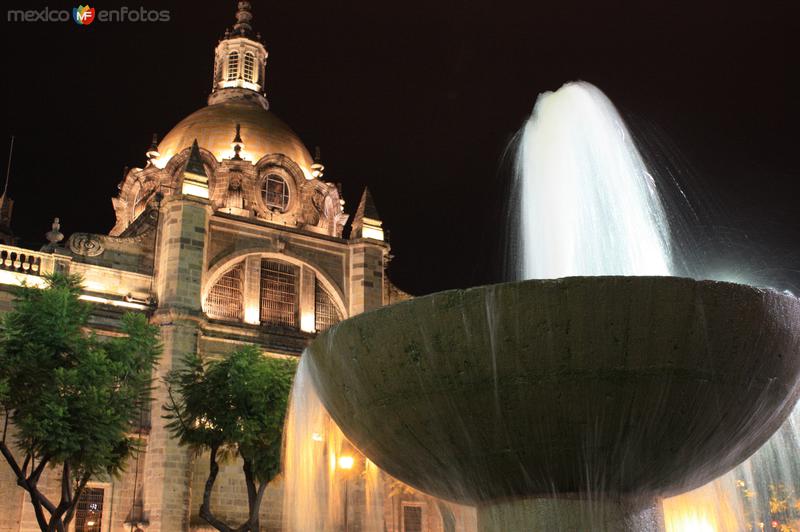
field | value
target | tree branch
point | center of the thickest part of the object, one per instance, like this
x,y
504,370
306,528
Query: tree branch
x,y
74,504
36,473
176,409
36,497
25,464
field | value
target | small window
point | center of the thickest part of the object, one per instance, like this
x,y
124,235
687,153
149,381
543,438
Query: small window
x,y
89,514
412,518
225,298
249,67
276,192
233,66
326,313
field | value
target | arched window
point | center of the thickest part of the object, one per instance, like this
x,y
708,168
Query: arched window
x,y
278,293
275,192
249,67
233,65
325,310
225,299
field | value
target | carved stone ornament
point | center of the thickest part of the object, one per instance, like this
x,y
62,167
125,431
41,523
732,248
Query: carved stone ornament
x,y
86,244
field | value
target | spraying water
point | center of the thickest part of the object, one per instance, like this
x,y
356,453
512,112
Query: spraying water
x,y
587,204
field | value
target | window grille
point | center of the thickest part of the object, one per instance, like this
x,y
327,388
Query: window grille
x,y
412,518
276,192
225,300
249,67
233,65
89,513
278,293
326,312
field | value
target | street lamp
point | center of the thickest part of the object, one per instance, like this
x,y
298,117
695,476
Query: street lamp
x,y
346,462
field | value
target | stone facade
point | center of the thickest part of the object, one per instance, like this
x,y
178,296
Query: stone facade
x,y
227,236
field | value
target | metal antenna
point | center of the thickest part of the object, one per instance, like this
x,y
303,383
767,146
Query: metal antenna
x,y
8,168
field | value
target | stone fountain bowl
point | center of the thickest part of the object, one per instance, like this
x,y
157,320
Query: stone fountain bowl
x,y
564,388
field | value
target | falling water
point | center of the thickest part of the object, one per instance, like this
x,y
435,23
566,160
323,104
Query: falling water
x,y
313,444
587,205
322,493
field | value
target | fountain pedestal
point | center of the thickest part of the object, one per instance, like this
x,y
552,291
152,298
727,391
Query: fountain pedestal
x,y
572,515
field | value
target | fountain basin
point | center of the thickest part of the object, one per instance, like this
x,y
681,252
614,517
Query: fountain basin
x,y
624,388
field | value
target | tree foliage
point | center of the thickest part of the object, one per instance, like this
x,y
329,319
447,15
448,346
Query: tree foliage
x,y
234,407
69,395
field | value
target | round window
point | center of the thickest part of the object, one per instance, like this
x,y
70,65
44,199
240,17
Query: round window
x,y
275,192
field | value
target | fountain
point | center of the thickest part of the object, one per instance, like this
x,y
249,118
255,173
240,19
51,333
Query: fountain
x,y
579,398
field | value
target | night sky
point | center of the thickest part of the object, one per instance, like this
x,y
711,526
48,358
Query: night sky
x,y
418,100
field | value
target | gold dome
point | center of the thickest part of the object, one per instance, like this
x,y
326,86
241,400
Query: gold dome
x,y
214,127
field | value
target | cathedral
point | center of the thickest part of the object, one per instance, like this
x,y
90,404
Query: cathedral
x,y
229,235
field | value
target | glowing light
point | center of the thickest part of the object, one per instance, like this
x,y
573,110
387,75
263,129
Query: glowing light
x,y
307,322
346,462
113,302
317,437
693,524
372,229
194,189
715,507
234,83
252,314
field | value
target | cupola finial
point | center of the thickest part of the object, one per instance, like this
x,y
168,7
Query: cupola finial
x,y
54,236
243,18
237,144
317,169
152,152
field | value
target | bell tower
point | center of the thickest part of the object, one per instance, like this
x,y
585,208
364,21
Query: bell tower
x,y
240,61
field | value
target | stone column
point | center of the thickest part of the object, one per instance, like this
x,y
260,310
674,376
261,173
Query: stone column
x,y
180,265
252,289
366,275
308,280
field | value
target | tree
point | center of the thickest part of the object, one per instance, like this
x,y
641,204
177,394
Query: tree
x,y
234,407
69,395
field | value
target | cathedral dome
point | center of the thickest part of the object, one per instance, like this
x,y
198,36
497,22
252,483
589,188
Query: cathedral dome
x,y
214,127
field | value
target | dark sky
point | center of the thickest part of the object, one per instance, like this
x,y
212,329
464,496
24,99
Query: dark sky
x,y
418,100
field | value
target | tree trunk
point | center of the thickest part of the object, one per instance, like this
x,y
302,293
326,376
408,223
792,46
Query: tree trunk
x,y
205,508
254,497
28,483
